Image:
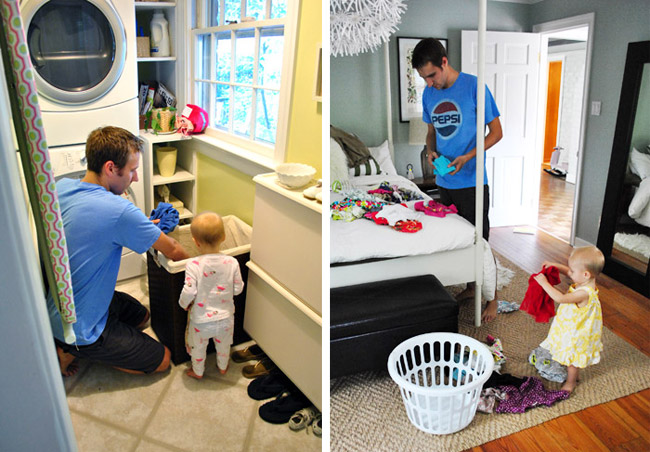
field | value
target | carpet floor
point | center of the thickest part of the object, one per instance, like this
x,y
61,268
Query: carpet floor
x,y
367,412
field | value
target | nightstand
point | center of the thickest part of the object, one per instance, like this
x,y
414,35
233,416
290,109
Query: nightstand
x,y
428,186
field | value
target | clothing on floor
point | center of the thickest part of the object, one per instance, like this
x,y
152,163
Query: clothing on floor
x,y
504,307
547,367
489,398
497,379
529,395
495,346
575,334
167,215
536,301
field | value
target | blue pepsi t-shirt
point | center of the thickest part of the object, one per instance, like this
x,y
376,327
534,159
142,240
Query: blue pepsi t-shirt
x,y
97,224
452,112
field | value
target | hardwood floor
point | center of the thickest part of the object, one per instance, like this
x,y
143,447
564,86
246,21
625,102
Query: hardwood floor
x,y
555,206
620,425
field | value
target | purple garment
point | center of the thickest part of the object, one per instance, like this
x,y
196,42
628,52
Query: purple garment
x,y
530,394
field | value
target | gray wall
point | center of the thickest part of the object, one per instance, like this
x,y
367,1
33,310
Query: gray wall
x,y
357,84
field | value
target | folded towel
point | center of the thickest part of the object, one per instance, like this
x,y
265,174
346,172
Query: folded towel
x,y
167,215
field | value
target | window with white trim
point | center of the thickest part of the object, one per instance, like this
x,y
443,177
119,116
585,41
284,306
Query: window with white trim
x,y
242,70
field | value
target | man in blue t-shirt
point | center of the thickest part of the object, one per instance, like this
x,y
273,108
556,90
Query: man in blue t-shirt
x,y
97,224
449,109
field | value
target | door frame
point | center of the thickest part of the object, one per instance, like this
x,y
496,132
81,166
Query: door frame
x,y
545,30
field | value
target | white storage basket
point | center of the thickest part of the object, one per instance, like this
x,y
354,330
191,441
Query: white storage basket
x,y
441,376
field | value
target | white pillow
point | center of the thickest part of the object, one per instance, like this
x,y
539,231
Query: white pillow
x,y
369,168
381,153
338,163
640,163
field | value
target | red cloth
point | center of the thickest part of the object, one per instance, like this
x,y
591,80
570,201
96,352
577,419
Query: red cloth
x,y
536,301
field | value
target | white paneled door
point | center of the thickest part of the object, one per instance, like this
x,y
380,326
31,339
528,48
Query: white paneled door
x,y
511,74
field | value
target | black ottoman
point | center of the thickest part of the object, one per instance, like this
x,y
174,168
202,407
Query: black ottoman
x,y
368,321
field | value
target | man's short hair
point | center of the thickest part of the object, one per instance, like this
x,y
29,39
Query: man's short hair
x,y
110,143
429,50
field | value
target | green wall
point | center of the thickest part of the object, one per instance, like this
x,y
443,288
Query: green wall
x,y
225,190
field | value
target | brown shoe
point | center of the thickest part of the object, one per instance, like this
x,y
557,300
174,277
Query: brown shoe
x,y
263,367
251,353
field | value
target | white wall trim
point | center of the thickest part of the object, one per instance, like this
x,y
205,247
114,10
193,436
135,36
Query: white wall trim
x,y
546,29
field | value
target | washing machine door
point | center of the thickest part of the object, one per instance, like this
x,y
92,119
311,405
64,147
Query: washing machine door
x,y
78,48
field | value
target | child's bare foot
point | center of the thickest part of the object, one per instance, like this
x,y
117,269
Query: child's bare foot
x,y
568,386
190,373
66,362
490,311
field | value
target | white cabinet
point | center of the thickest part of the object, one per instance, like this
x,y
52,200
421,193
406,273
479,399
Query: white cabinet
x,y
283,298
182,185
161,69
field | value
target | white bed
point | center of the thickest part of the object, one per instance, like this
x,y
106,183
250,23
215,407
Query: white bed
x,y
362,251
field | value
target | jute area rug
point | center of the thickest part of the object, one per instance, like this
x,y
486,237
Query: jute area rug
x,y
367,412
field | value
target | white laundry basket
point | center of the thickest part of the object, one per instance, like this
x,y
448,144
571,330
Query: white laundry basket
x,y
440,376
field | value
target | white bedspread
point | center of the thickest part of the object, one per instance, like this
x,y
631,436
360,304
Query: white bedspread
x,y
363,239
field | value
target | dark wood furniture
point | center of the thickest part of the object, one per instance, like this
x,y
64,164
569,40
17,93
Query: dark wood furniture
x,y
617,190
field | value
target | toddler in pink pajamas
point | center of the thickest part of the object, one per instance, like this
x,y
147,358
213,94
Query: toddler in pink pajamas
x,y
212,279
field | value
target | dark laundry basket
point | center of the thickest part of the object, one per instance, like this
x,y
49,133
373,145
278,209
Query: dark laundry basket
x,y
166,280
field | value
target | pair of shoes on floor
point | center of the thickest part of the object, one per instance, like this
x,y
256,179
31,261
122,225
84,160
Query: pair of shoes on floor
x,y
271,385
280,409
250,353
262,367
304,418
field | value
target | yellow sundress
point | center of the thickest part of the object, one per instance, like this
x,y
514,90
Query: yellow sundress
x,y
575,334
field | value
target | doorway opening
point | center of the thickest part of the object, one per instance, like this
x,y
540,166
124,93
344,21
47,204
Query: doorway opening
x,y
565,57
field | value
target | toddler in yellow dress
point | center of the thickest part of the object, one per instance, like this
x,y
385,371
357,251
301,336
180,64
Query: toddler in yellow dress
x,y
574,339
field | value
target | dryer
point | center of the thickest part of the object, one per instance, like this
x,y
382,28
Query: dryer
x,y
70,162
84,55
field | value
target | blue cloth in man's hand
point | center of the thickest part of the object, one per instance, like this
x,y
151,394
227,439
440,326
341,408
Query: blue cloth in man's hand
x,y
167,215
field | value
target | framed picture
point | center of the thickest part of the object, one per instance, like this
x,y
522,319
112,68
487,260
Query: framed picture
x,y
411,85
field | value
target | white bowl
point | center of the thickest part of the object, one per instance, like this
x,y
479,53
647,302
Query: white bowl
x,y
294,175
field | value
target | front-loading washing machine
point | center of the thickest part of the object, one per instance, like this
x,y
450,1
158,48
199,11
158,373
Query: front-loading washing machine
x,y
84,56
70,162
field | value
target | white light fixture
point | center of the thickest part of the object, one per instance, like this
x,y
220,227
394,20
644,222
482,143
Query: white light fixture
x,y
358,26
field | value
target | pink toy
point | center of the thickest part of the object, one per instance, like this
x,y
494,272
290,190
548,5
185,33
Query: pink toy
x,y
193,119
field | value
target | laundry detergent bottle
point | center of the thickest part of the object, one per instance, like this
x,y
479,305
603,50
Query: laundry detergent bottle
x,y
159,35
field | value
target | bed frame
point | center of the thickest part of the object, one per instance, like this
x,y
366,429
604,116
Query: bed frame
x,y
450,267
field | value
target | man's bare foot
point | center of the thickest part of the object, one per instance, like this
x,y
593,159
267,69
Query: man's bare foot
x,y
66,361
490,311
190,373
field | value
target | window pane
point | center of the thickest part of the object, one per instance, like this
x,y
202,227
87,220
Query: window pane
x,y
244,54
233,11
203,56
278,9
270,69
224,56
222,115
255,8
203,96
242,103
213,13
266,122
